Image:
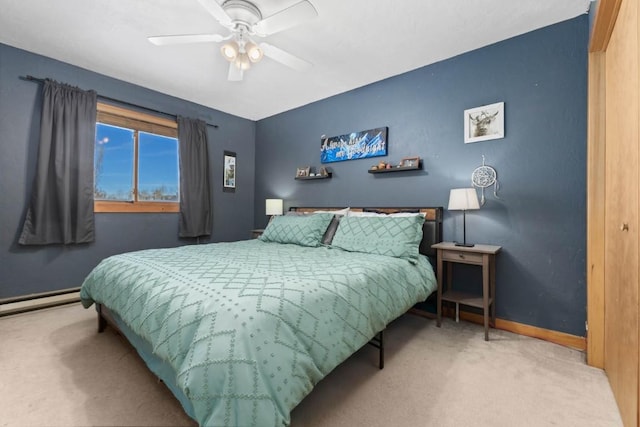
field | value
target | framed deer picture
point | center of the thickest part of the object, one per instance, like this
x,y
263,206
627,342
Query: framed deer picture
x,y
484,123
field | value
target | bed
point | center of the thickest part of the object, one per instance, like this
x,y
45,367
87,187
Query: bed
x,y
241,332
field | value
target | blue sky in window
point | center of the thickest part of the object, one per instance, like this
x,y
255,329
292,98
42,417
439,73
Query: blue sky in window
x,y
158,164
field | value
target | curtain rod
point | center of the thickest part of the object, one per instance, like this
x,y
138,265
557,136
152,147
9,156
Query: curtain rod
x,y
37,80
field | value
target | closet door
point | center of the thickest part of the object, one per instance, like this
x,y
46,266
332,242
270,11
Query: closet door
x,y
621,212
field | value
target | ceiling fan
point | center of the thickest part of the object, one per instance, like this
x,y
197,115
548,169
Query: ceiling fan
x,y
244,21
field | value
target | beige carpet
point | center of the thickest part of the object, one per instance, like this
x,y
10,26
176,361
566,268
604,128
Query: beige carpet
x,y
56,370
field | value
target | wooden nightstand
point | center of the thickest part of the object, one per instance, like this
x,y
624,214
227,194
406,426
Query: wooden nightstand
x,y
256,232
482,255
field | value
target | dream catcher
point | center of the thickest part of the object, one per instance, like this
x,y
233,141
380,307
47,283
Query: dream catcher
x,y
485,176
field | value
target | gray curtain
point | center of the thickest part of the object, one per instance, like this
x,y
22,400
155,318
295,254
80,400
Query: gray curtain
x,y
61,205
195,191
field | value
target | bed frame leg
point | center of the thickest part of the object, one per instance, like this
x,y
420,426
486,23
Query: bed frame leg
x,y
378,342
102,322
381,355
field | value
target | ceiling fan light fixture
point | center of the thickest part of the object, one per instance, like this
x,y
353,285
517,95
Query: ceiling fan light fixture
x,y
242,61
243,20
254,52
230,51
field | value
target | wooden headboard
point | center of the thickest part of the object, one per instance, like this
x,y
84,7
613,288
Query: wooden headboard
x,y
431,230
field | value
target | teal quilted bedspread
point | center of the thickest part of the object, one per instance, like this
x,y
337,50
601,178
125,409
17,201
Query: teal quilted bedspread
x,y
250,327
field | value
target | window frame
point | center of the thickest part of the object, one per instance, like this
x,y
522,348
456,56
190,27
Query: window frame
x,y
138,121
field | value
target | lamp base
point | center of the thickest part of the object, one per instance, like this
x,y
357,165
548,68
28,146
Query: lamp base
x,y
466,245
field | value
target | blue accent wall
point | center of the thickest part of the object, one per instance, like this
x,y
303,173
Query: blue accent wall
x,y
26,270
539,216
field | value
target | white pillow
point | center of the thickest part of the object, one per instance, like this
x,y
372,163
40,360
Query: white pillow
x,y
364,214
372,214
344,211
405,214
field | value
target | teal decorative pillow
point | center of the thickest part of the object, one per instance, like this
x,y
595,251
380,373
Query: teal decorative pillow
x,y
383,235
303,230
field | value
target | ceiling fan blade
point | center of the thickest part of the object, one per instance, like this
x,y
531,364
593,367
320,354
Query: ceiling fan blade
x,y
235,73
285,58
287,18
215,9
185,38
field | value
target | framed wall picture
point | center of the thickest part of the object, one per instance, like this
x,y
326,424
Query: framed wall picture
x,y
354,145
484,123
410,162
303,171
229,174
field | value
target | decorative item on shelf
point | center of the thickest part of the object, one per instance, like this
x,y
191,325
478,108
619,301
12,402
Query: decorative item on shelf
x,y
273,207
323,171
485,176
463,199
303,171
410,162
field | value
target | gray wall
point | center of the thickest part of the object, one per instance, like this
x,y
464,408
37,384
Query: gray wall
x,y
539,218
25,270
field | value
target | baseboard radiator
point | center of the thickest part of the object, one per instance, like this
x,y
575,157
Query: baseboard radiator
x,y
38,301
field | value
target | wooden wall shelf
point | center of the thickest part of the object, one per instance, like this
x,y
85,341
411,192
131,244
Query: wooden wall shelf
x,y
304,178
397,169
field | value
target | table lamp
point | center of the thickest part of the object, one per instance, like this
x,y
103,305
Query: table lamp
x,y
463,199
273,207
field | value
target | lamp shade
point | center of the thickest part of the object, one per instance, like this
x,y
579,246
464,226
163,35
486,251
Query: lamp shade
x,y
273,207
462,199
253,51
242,61
230,51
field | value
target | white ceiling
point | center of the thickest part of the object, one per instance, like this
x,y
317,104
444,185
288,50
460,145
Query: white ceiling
x,y
351,43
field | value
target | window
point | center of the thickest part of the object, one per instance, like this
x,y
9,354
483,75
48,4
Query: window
x,y
136,162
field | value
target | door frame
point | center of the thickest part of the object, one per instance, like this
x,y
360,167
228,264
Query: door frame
x,y
604,22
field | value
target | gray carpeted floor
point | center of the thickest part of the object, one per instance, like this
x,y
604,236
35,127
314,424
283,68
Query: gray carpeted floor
x,y
56,370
